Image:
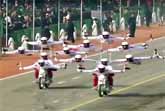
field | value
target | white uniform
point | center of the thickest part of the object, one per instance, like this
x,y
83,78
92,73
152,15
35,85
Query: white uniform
x,y
138,20
74,59
94,29
153,17
48,64
11,43
114,25
108,69
75,33
62,35
84,30
51,36
25,44
38,37
122,24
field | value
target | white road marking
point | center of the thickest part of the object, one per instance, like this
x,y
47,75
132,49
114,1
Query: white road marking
x,y
25,73
17,75
55,101
140,83
61,82
77,77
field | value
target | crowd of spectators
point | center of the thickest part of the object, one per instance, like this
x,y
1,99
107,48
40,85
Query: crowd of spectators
x,y
20,12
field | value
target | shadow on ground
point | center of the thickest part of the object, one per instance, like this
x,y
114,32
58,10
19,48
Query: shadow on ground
x,y
71,87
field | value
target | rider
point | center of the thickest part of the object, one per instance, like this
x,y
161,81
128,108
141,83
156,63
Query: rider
x,y
70,51
102,68
125,45
86,43
87,46
44,44
105,62
105,69
105,35
21,50
36,66
47,63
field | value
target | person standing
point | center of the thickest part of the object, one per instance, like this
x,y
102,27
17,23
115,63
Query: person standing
x,y
70,31
11,43
94,28
46,32
132,25
84,31
148,12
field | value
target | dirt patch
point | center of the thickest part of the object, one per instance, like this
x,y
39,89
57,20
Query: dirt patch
x,y
8,63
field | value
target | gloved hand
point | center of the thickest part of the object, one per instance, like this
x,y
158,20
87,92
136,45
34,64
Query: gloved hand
x,y
145,45
63,66
80,67
55,59
79,70
20,68
125,67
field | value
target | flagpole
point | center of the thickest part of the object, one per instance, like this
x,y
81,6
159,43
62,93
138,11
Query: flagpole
x,y
81,17
6,23
33,33
138,6
120,11
153,5
101,23
101,18
59,18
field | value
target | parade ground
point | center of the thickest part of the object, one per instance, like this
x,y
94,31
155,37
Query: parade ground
x,y
139,89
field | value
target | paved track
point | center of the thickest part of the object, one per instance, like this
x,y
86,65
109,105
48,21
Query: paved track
x,y
139,89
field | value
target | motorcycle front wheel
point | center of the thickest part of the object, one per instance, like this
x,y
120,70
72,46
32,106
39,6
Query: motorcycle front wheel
x,y
41,83
101,90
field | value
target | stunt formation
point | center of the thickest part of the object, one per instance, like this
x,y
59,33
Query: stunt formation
x,y
103,73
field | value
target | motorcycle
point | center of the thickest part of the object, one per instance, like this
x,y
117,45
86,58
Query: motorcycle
x,y
103,85
44,79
